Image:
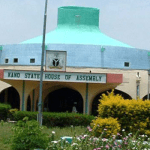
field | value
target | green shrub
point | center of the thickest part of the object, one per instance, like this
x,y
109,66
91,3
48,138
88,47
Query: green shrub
x,y
19,115
4,111
132,115
28,135
105,127
66,119
11,112
51,119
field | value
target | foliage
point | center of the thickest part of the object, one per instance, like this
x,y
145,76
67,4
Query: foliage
x,y
2,122
66,119
19,115
28,135
4,111
6,133
89,142
131,114
51,119
83,140
11,112
107,127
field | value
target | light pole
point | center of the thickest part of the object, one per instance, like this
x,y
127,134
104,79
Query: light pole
x,y
148,85
42,61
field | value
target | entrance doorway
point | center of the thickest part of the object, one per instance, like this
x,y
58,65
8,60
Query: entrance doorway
x,y
63,100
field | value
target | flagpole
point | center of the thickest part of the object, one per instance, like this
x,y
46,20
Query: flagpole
x,y
42,61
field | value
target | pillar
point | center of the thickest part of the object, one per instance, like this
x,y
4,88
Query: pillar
x,y
86,99
23,96
33,100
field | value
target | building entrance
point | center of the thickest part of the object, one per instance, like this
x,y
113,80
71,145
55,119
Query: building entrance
x,y
63,100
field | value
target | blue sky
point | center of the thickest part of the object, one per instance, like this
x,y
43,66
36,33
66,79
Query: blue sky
x,y
125,20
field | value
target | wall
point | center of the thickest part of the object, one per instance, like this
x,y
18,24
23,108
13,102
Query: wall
x,y
80,55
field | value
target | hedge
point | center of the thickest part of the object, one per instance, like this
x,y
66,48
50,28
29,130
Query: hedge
x,y
4,111
132,115
51,119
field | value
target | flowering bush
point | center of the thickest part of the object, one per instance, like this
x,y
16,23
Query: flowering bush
x,y
131,114
106,126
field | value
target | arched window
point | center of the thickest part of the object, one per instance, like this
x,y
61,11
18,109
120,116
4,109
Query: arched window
x,y
10,96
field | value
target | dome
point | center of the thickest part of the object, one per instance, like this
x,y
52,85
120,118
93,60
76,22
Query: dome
x,y
77,25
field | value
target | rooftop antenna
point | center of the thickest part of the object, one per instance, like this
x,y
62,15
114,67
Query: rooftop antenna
x,y
39,118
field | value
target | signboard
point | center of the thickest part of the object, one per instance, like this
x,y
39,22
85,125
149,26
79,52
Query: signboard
x,y
55,60
55,76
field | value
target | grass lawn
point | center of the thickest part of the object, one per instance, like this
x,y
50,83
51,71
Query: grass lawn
x,y
6,133
5,136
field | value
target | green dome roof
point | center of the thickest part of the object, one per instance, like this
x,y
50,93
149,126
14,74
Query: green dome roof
x,y
77,25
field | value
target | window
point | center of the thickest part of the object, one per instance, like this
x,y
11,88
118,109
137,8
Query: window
x,y
6,60
126,64
15,60
32,60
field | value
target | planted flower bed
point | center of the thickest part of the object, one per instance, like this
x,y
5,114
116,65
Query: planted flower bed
x,y
26,132
89,142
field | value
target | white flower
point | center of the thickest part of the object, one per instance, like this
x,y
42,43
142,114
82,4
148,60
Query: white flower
x,y
95,139
145,142
53,132
55,142
123,130
74,144
85,135
78,138
129,133
104,139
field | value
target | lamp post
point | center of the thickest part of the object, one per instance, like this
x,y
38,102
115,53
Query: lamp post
x,y
148,85
41,73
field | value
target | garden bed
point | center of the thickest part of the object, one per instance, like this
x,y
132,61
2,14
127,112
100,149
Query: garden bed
x,y
81,139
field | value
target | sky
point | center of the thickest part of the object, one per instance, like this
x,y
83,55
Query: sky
x,y
125,20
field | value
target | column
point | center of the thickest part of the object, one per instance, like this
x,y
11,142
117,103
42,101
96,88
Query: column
x,y
23,96
33,100
86,100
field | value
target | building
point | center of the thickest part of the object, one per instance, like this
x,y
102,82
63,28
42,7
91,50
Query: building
x,y
80,62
